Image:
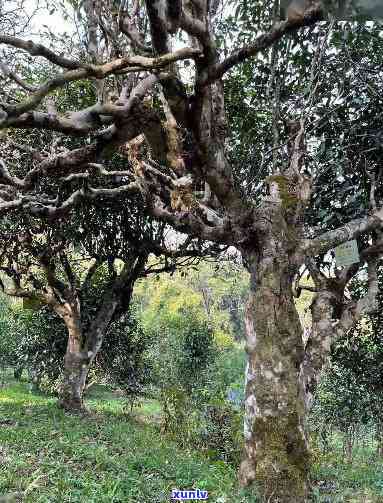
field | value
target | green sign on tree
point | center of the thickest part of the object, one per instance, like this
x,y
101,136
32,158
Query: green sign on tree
x,y
347,253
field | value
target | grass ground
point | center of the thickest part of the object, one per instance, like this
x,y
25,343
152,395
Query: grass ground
x,y
109,456
359,481
47,456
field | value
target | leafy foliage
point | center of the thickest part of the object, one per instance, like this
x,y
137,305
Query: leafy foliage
x,y
198,366
41,343
123,358
350,395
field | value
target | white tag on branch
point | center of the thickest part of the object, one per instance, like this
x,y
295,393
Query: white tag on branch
x,y
347,253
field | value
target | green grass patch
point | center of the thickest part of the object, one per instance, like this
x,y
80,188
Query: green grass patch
x,y
108,456
357,481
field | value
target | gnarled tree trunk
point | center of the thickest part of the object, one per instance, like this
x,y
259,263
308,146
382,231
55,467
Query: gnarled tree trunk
x,y
85,342
276,450
82,349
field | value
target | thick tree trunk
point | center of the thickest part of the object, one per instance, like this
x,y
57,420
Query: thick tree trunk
x,y
35,379
83,347
81,350
276,453
76,366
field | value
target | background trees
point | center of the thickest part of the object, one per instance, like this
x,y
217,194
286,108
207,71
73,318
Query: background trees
x,y
83,270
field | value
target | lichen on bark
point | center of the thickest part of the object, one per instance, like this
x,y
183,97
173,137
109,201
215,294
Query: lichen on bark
x,y
276,457
287,191
281,439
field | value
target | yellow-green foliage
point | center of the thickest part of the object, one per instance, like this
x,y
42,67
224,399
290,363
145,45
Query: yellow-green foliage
x,y
199,291
33,304
222,339
166,298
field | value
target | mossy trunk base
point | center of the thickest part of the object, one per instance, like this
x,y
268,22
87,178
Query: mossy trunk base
x,y
281,465
276,454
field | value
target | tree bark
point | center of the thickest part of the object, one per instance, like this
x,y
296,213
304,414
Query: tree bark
x,y
276,454
318,346
76,366
82,349
379,438
83,345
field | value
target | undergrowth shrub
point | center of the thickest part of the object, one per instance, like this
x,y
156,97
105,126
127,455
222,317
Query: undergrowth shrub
x,y
123,359
193,389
